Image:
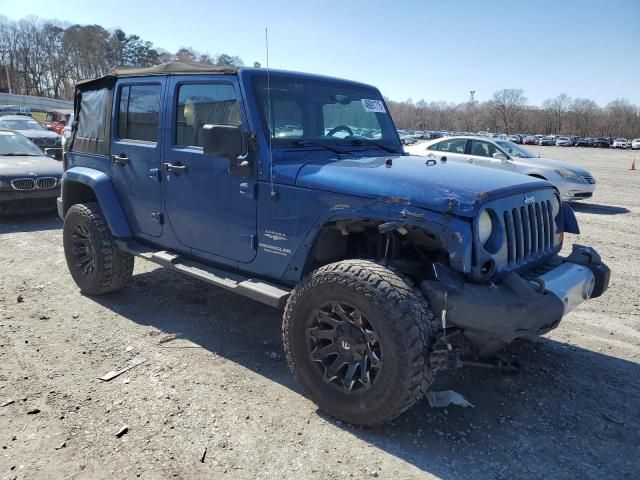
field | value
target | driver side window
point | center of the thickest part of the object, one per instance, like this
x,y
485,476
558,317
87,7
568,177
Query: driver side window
x,y
483,149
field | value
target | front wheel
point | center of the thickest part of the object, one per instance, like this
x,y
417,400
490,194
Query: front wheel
x,y
357,338
95,262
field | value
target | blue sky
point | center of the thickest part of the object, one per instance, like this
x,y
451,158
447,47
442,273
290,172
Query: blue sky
x,y
409,49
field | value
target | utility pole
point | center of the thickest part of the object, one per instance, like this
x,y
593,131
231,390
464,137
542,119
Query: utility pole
x,y
471,94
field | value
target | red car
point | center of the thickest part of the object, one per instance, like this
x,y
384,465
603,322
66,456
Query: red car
x,y
529,140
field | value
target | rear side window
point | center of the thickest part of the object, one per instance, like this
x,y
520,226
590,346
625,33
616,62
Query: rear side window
x,y
451,146
139,112
202,104
93,107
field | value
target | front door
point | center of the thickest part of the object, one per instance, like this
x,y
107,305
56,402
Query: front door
x,y
209,209
481,153
136,152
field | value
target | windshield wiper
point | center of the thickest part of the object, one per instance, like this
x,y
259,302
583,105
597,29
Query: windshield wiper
x,y
374,142
18,155
320,144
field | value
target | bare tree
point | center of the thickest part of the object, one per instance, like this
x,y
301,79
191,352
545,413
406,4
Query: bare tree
x,y
506,106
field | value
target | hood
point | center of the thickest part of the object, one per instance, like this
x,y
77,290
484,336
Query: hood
x,y
457,188
41,166
38,133
553,164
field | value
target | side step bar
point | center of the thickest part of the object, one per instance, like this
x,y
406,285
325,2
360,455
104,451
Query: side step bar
x,y
255,289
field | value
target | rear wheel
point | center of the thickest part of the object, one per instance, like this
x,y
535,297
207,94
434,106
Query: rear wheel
x,y
94,261
357,338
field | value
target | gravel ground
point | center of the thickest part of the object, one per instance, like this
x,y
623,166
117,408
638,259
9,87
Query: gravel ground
x,y
215,377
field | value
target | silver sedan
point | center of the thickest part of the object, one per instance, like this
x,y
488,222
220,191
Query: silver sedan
x,y
573,183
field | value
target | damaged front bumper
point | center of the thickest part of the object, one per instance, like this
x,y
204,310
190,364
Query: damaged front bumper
x,y
491,316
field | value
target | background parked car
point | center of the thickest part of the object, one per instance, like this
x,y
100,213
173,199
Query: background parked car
x,y
31,129
635,144
564,142
530,140
601,142
620,143
584,142
547,141
572,182
29,180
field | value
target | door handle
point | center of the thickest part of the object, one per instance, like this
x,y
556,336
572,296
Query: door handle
x,y
175,168
121,159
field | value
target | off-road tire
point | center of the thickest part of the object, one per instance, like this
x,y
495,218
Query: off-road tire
x,y
406,329
112,268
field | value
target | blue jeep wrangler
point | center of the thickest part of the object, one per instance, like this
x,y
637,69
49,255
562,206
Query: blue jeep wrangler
x,y
293,190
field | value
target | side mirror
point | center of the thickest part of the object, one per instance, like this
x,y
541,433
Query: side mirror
x,y
54,153
500,156
226,141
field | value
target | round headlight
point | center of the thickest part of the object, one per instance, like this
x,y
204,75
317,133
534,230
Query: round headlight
x,y
485,225
555,206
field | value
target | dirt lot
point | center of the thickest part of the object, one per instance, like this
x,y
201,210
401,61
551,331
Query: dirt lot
x,y
215,377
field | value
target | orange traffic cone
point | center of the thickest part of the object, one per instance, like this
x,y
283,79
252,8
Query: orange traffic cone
x,y
633,165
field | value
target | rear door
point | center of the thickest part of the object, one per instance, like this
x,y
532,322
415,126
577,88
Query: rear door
x,y
452,148
136,152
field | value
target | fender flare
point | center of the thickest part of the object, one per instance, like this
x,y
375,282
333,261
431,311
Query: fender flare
x,y
452,233
105,193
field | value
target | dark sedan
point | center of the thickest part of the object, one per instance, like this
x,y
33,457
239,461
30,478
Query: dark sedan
x,y
29,180
584,142
601,142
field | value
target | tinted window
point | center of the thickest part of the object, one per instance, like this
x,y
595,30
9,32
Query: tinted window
x,y
455,145
139,112
483,149
203,104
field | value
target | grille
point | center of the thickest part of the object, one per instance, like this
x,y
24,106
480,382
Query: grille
x,y
588,179
529,231
42,183
46,182
38,141
23,184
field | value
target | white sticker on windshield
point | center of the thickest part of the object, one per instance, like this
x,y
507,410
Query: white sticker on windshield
x,y
375,106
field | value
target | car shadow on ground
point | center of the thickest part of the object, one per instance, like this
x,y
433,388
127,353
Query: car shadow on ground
x,y
597,209
29,222
563,416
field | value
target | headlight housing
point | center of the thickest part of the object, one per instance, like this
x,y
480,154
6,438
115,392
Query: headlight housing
x,y
485,226
569,175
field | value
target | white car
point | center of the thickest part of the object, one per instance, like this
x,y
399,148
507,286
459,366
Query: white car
x,y
573,183
620,143
635,144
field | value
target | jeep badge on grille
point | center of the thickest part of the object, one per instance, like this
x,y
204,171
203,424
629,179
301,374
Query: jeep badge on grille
x,y
529,200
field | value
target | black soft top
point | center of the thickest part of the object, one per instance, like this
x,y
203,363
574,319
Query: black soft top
x,y
170,68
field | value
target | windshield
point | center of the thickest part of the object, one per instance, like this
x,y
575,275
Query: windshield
x,y
308,110
21,124
515,150
15,144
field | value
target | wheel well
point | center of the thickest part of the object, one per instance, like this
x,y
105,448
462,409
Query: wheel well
x,y
408,249
75,192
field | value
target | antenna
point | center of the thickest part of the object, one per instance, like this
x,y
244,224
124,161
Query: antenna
x,y
274,194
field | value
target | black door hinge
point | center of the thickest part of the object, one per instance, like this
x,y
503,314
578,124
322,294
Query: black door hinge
x,y
158,217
